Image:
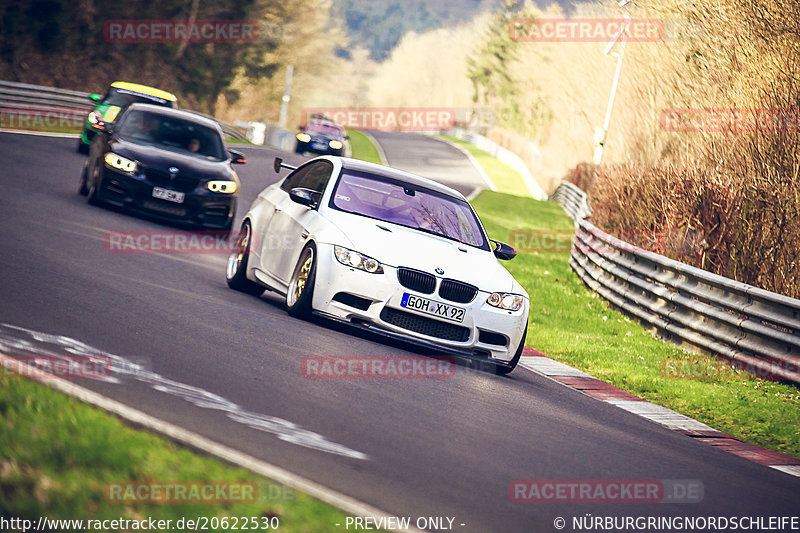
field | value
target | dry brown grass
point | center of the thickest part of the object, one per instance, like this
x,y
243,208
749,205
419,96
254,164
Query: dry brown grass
x,y
736,188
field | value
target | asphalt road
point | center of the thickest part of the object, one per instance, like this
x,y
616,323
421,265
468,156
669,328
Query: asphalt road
x,y
413,447
429,157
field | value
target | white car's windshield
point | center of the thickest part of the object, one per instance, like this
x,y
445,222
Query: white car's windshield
x,y
408,205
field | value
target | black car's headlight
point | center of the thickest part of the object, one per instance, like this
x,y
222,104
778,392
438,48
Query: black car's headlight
x,y
120,163
223,186
505,300
356,260
95,117
303,137
336,145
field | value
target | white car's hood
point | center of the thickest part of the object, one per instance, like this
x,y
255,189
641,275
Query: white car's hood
x,y
405,247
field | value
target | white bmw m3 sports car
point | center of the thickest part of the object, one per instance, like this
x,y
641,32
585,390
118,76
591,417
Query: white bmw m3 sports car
x,y
383,250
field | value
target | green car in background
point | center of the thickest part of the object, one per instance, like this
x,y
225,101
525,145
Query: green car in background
x,y
120,94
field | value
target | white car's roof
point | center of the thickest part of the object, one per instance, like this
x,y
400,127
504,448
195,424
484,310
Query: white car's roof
x,y
400,175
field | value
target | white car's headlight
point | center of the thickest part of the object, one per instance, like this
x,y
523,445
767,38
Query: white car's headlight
x,y
356,260
224,186
120,163
504,300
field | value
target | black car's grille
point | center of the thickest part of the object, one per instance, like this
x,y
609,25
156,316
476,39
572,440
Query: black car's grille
x,y
425,326
416,280
180,182
165,207
455,291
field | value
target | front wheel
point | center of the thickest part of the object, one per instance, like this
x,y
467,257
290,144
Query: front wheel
x,y
301,286
235,272
83,190
511,365
93,187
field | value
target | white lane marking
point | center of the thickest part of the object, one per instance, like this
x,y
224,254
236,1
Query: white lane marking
x,y
53,345
550,367
792,470
660,414
198,442
42,133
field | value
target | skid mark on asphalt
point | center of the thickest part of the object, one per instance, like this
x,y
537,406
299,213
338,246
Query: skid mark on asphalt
x,y
24,343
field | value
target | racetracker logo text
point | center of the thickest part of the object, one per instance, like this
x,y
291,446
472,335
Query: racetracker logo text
x,y
376,367
34,366
584,30
172,492
606,490
172,242
387,118
41,117
711,119
179,31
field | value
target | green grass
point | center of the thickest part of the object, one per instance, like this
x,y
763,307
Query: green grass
x,y
505,178
362,147
58,454
570,323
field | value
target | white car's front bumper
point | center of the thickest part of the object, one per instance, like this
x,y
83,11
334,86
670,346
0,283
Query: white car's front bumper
x,y
375,299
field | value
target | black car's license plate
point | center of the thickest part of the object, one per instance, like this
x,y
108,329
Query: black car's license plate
x,y
432,307
168,195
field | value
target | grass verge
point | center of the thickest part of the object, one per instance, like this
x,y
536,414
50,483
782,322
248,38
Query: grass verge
x,y
58,455
505,178
362,148
572,324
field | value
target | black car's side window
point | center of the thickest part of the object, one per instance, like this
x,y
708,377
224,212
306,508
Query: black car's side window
x,y
314,176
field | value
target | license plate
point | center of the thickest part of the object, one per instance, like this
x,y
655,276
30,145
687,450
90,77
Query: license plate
x,y
168,195
318,146
432,307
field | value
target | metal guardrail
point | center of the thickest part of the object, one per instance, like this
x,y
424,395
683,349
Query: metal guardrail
x,y
24,96
758,329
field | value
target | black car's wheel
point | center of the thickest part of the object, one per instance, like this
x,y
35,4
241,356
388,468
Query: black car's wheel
x,y
237,264
511,365
83,190
301,286
82,147
93,187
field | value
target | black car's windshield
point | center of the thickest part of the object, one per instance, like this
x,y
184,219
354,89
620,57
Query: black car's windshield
x,y
172,133
408,205
122,97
